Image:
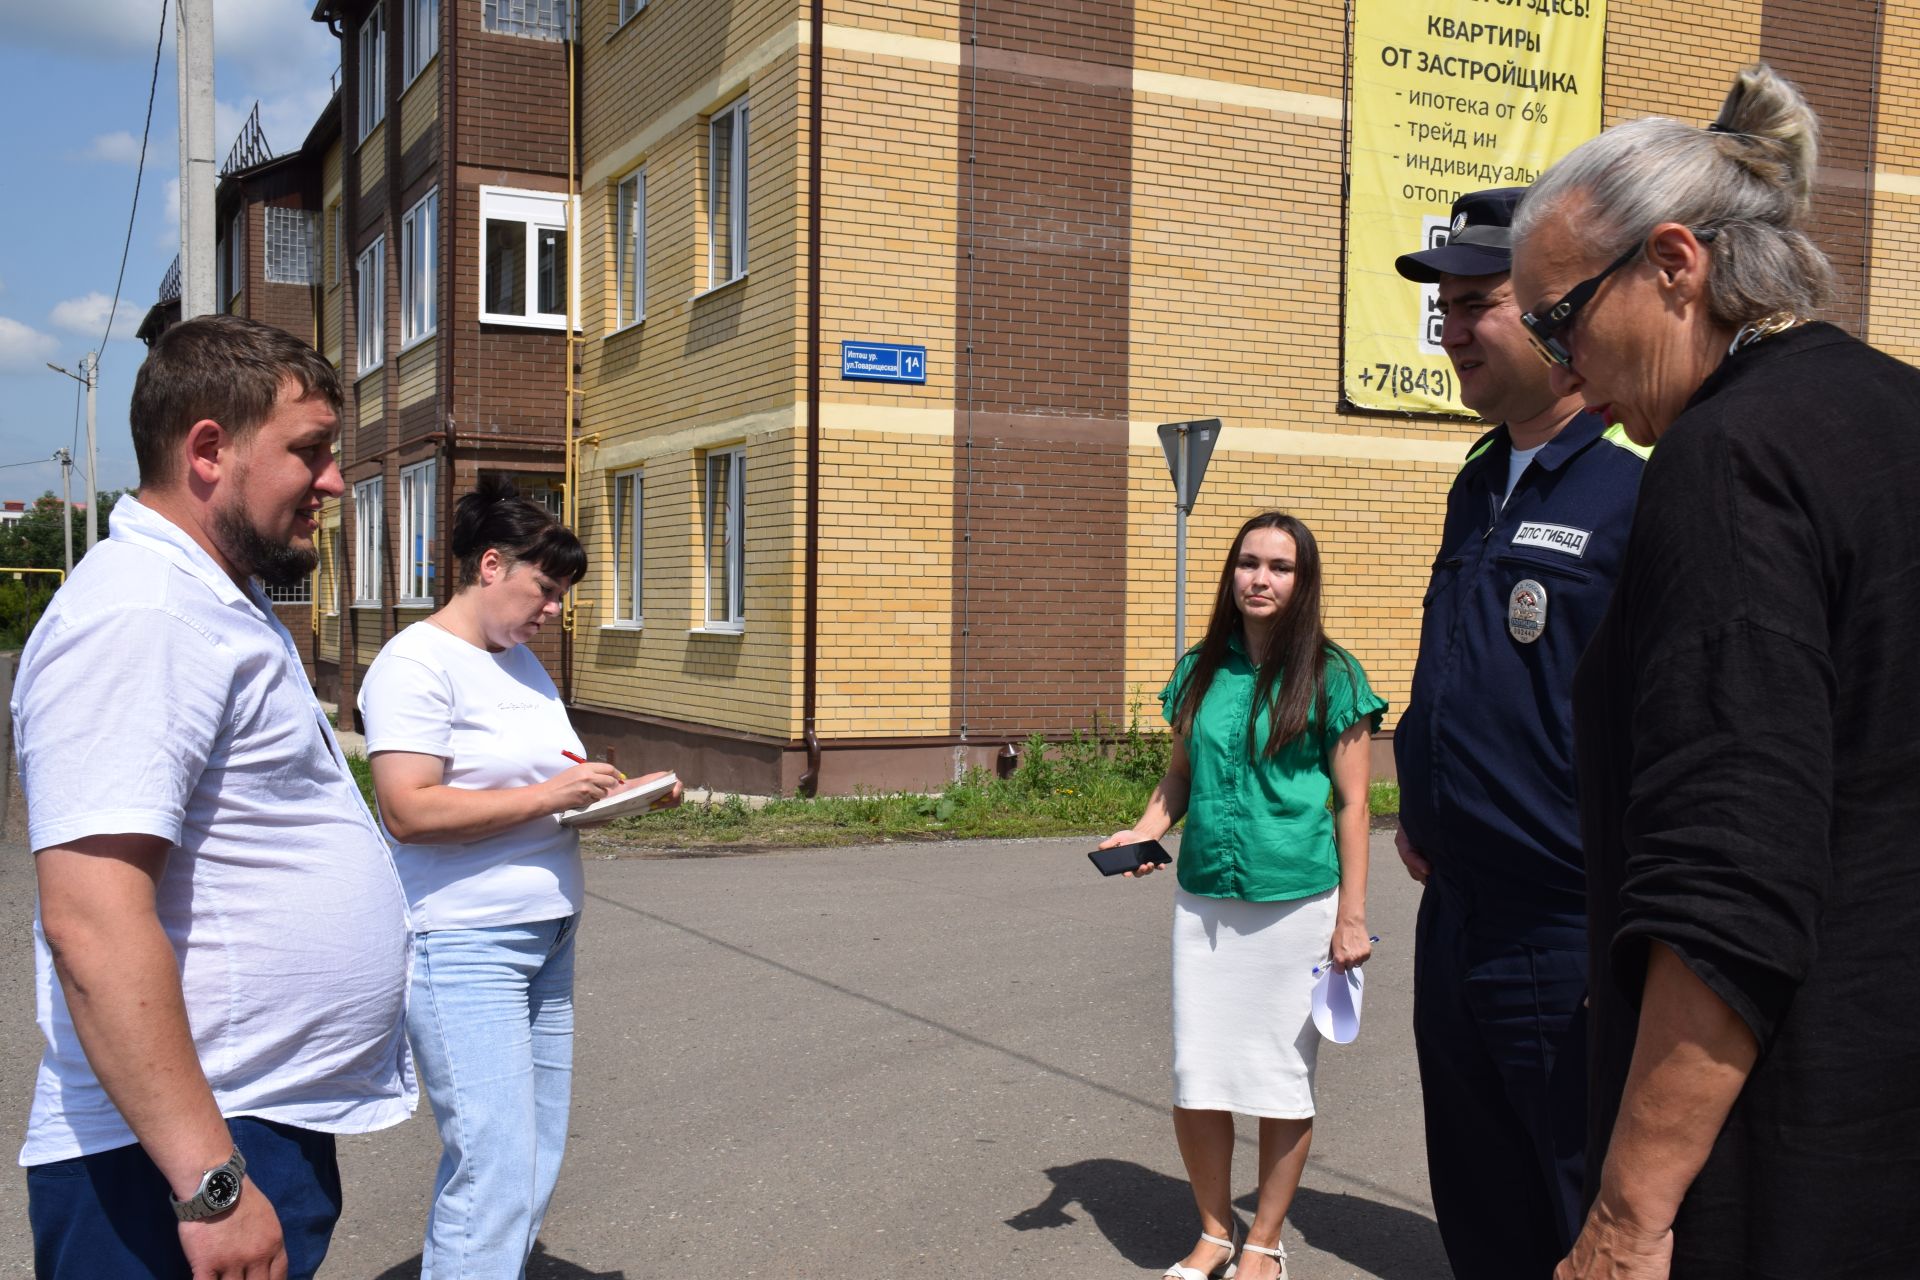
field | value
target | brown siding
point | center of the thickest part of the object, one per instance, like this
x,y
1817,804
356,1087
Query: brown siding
x,y
1831,51
1040,454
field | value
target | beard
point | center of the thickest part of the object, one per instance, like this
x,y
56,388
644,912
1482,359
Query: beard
x,y
278,564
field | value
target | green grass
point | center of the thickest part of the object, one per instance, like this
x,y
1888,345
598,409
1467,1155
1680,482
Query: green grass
x,y
1090,785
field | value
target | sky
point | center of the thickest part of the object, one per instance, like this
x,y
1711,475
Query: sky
x,y
73,91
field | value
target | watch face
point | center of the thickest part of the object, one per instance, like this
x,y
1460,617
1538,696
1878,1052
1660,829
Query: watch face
x,y
223,1188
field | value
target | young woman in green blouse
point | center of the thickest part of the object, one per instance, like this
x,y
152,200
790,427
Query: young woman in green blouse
x,y
1267,715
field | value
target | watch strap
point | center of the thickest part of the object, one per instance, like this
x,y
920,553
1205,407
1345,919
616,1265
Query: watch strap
x,y
205,1201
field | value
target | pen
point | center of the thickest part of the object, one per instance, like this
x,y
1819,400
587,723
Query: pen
x,y
1329,964
583,760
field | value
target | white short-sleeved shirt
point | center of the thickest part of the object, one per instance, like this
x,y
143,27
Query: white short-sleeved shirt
x,y
498,722
156,697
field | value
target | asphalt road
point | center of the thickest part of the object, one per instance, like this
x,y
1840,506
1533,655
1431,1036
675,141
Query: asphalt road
x,y
876,1062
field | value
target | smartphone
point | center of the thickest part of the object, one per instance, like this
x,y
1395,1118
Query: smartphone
x,y
1129,857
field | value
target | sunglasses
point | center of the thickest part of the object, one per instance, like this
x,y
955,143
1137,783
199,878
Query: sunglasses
x,y
1546,330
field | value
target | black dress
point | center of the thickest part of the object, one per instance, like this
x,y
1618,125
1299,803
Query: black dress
x,y
1747,727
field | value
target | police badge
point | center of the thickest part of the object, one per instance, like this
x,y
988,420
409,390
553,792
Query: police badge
x,y
1526,611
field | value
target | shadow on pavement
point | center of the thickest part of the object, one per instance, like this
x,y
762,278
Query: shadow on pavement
x,y
1148,1217
1380,1239
541,1266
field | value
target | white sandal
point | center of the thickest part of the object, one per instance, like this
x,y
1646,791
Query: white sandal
x,y
1278,1251
1178,1272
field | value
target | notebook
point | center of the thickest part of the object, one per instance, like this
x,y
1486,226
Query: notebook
x,y
630,800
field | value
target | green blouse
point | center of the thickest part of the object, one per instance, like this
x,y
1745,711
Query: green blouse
x,y
1259,828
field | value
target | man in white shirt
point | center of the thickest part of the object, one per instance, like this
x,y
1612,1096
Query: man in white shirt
x,y
221,943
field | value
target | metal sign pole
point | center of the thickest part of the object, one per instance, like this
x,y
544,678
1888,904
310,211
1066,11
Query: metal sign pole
x,y
1180,551
1188,446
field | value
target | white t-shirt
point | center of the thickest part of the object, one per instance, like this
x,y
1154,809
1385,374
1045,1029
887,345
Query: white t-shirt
x,y
1517,466
158,698
498,722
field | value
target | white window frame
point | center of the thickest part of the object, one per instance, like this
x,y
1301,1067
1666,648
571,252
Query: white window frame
x,y
732,549
417,488
538,210
422,36
630,242
369,541
419,270
628,503
628,8
370,306
230,261
373,70
735,268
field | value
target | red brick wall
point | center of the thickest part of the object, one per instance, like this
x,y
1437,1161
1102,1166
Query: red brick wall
x,y
1040,451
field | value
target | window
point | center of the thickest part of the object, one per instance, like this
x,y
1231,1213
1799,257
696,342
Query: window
x,y
228,263
725,527
418,246
416,532
300,592
373,69
370,314
525,265
630,249
422,35
727,194
539,19
289,246
630,7
369,522
628,492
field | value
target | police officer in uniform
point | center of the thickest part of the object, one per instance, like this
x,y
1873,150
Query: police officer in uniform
x,y
1536,524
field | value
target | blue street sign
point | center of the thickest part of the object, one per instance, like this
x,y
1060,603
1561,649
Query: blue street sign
x,y
882,362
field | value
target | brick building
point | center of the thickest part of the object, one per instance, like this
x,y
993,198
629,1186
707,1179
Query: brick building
x,y
1095,217
268,252
448,294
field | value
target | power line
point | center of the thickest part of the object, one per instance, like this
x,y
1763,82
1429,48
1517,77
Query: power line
x,y
138,173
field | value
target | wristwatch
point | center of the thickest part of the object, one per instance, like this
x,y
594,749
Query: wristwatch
x,y
218,1192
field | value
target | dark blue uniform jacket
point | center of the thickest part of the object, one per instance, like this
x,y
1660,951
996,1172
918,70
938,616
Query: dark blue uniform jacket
x,y
1485,748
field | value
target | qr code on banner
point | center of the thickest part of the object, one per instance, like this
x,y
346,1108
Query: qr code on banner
x,y
1435,235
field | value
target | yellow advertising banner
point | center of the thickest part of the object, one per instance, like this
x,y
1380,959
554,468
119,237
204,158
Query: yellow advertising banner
x,y
1447,97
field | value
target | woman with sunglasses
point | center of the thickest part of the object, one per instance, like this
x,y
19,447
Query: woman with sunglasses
x,y
1268,716
1745,718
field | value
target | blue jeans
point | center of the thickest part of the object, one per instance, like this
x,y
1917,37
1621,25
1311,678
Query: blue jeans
x,y
106,1216
491,1019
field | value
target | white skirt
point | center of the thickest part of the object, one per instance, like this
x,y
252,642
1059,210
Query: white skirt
x,y
1243,1033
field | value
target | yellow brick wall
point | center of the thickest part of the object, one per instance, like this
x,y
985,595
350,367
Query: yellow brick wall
x,y
373,158
420,105
416,371
1377,523
1235,310
704,370
747,682
886,583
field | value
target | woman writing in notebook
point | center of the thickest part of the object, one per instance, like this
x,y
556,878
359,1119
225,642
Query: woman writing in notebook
x,y
1268,715
470,747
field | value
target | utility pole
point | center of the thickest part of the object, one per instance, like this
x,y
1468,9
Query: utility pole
x,y
91,367
194,39
65,460
88,377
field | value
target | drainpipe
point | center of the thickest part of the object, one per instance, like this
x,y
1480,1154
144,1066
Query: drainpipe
x,y
810,660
